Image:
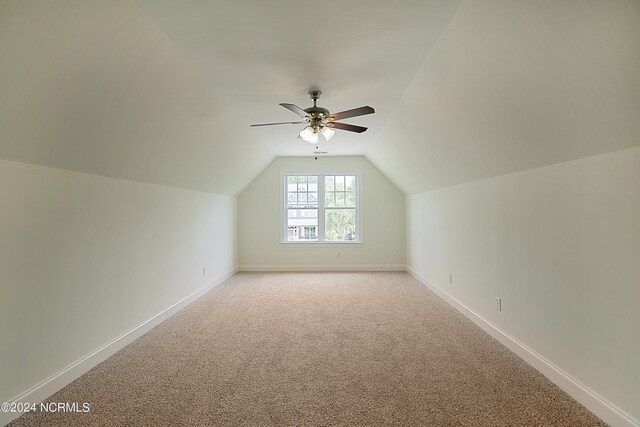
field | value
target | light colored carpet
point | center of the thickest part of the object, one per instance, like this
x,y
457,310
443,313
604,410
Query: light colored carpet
x,y
316,349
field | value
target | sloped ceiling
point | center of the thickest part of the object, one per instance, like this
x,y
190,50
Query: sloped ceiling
x,y
163,91
514,85
96,87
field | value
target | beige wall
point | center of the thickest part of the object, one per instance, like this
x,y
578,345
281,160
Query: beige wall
x,y
85,258
561,246
382,227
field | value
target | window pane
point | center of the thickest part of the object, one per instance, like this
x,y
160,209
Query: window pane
x,y
351,199
312,179
339,183
310,233
292,179
302,183
340,224
350,183
292,233
328,183
292,199
339,199
329,199
302,224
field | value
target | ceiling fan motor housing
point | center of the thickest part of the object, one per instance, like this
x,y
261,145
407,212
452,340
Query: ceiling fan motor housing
x,y
316,113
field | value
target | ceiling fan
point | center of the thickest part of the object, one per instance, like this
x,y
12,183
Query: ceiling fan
x,y
319,121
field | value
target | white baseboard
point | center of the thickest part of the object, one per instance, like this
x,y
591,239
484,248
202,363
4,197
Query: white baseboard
x,y
325,267
592,401
49,386
608,412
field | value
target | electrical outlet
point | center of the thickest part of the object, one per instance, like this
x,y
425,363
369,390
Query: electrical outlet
x,y
450,277
498,304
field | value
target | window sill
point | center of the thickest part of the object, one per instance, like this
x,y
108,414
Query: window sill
x,y
324,244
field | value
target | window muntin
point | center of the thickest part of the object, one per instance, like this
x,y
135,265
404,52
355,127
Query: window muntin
x,y
321,208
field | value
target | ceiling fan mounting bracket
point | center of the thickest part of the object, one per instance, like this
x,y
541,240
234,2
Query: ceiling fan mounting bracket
x,y
315,94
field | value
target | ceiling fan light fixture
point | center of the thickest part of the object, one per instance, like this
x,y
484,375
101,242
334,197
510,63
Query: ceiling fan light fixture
x,y
327,133
310,135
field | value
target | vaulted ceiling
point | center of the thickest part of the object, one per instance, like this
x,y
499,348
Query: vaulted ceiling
x,y
164,91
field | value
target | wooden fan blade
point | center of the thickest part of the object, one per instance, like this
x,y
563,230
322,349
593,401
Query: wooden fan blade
x,y
352,113
344,126
279,123
292,107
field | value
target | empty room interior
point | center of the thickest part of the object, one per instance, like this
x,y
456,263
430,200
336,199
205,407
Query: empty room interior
x,y
353,212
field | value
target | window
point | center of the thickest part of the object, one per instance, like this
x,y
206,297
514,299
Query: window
x,y
321,208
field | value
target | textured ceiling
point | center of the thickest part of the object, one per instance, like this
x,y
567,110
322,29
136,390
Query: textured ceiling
x,y
163,91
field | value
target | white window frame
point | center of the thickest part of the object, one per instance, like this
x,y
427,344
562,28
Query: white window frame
x,y
284,229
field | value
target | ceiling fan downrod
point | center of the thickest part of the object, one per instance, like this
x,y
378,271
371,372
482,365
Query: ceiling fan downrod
x,y
315,95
